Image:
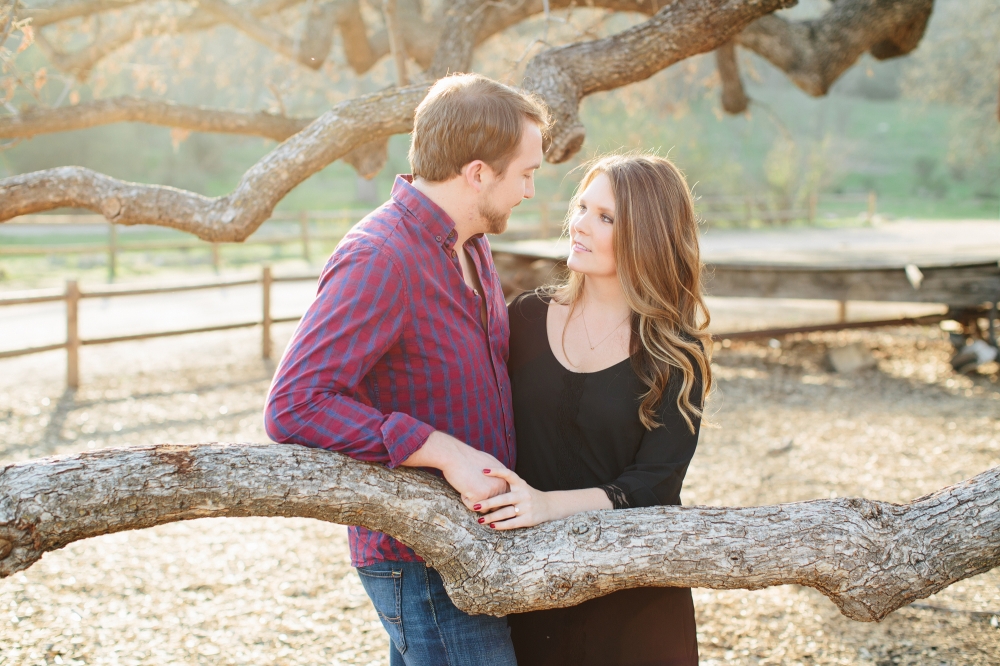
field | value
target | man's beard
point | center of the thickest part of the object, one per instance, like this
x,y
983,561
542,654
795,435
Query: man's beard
x,y
495,218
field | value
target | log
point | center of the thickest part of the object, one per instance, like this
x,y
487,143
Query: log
x,y
870,558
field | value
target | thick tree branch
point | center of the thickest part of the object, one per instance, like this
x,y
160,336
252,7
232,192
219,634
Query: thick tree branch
x,y
237,215
564,76
734,99
870,558
815,53
40,120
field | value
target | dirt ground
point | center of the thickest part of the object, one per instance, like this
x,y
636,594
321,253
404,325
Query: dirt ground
x,y
281,591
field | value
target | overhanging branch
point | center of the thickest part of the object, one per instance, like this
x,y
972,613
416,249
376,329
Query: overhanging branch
x,y
564,76
228,218
41,120
869,558
816,52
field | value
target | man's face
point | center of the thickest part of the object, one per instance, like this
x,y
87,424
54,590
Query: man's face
x,y
499,197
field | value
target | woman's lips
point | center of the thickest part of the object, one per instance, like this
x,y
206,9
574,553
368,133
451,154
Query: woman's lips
x,y
579,248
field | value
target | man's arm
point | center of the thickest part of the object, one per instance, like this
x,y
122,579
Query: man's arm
x,y
357,316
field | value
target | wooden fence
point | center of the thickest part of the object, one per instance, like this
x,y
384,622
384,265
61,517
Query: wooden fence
x,y
72,295
537,219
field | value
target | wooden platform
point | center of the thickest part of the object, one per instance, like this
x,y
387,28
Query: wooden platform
x,y
954,262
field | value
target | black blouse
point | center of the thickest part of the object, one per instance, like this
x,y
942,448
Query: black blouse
x,y
582,430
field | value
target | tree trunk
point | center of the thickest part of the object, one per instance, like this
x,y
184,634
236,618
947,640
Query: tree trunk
x,y
869,558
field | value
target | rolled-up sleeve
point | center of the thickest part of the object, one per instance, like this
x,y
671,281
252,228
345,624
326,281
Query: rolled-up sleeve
x,y
359,313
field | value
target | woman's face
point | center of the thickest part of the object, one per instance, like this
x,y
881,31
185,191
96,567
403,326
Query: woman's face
x,y
590,229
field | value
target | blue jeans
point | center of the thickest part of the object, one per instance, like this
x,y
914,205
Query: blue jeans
x,y
425,628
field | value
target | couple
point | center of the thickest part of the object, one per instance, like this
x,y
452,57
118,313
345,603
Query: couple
x,y
410,356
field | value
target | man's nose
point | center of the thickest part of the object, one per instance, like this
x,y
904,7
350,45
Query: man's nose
x,y
529,189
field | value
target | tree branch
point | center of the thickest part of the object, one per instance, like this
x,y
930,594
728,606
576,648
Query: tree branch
x,y
256,30
564,76
148,24
734,98
52,11
870,558
41,120
815,53
227,218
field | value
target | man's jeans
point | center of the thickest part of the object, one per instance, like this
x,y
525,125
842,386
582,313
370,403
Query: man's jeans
x,y
425,628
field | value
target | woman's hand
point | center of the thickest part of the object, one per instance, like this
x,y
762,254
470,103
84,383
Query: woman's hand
x,y
523,506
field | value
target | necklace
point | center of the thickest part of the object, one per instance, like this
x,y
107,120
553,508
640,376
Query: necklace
x,y
583,315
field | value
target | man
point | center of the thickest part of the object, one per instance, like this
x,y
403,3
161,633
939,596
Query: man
x,y
401,359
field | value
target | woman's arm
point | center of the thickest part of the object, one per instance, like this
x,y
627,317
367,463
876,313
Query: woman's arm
x,y
524,506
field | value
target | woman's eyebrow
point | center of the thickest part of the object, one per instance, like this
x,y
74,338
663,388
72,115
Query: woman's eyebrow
x,y
600,208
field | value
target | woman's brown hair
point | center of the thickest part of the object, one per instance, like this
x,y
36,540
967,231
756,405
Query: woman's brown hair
x,y
655,241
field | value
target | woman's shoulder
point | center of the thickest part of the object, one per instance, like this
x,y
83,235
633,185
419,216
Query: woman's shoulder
x,y
529,306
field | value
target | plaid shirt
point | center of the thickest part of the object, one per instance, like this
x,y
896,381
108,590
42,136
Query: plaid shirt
x,y
393,348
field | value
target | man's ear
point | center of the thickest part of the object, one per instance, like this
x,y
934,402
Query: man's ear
x,y
474,173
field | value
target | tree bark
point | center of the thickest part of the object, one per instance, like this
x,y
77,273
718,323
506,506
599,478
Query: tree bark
x,y
237,215
564,76
869,558
815,53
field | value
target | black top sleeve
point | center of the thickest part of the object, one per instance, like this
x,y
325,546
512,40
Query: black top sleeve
x,y
656,474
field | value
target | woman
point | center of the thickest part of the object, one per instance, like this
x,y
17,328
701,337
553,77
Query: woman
x,y
609,373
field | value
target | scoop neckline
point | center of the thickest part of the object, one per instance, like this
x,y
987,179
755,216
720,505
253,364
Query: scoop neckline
x,y
552,354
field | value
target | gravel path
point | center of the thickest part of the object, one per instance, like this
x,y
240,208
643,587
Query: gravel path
x,y
280,591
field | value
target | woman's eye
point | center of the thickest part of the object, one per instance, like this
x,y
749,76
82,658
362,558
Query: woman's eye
x,y
607,219
581,207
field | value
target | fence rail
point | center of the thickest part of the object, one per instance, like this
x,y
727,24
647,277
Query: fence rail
x,y
72,295
541,219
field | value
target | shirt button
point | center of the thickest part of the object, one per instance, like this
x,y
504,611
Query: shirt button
x,y
437,238
475,291
454,254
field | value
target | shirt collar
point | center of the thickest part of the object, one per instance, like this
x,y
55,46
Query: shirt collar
x,y
431,216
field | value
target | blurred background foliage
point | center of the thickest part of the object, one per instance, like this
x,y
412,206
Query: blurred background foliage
x,y
921,131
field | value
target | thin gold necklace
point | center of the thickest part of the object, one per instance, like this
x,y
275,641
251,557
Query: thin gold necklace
x,y
583,315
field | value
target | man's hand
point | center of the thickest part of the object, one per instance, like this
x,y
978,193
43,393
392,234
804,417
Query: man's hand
x,y
463,467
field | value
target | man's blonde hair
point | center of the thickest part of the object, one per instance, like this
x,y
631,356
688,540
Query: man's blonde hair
x,y
468,117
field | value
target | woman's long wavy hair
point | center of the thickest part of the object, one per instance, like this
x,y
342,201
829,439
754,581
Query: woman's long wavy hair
x,y
655,241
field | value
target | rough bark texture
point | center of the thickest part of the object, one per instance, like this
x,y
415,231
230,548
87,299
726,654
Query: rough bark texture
x,y
869,558
815,53
564,76
232,217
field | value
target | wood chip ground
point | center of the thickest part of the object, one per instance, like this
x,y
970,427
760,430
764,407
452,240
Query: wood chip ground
x,y
281,591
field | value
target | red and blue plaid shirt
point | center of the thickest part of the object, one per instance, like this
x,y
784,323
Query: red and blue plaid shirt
x,y
393,348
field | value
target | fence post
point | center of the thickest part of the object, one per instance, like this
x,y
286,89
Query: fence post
x,y
871,206
112,251
543,219
304,228
265,280
841,312
72,335
813,205
216,257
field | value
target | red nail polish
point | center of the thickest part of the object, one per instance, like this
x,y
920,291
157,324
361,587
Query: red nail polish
x,y
477,507
486,471
482,520
492,526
